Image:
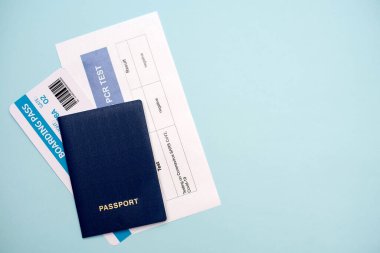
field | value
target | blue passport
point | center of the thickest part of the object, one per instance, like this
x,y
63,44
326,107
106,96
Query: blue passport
x,y
112,169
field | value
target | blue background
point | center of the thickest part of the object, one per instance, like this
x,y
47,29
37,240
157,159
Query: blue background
x,y
285,95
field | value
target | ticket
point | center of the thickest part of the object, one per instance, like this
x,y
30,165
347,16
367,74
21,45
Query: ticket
x,y
37,111
132,60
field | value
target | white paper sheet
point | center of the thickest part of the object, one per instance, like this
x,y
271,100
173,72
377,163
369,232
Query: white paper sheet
x,y
132,60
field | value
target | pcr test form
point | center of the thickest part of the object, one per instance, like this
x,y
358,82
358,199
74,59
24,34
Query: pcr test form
x,y
132,60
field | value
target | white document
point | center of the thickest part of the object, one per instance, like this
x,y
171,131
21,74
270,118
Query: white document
x,y
132,60
37,111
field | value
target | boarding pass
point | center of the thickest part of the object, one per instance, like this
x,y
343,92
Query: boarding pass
x,y
37,111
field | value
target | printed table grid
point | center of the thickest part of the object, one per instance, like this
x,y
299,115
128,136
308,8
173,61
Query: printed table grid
x,y
140,76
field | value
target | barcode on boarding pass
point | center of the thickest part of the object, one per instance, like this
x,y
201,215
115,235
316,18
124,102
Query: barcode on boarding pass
x,y
63,94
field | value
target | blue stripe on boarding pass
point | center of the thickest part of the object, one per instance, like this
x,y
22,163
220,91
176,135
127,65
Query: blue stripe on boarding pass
x,y
42,128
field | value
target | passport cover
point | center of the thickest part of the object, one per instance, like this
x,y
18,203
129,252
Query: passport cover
x,y
112,169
